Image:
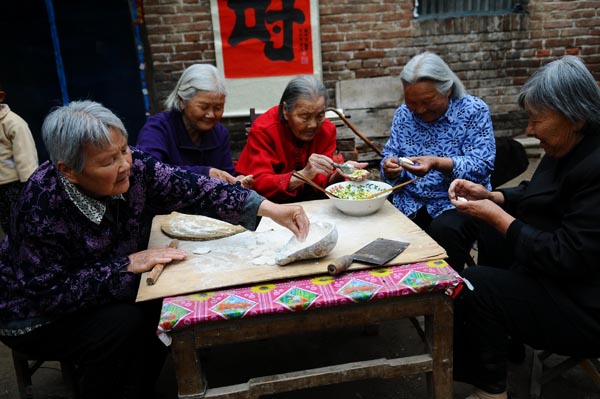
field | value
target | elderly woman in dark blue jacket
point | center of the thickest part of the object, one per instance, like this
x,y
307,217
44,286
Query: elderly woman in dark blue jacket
x,y
543,288
190,134
72,257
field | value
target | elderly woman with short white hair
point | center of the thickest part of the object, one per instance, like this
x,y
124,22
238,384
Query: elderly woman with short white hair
x,y
189,133
71,261
439,134
539,281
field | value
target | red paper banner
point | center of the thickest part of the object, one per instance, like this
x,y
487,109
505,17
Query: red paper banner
x,y
261,38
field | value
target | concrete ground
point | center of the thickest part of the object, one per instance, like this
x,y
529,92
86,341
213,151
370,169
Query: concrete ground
x,y
237,363
233,364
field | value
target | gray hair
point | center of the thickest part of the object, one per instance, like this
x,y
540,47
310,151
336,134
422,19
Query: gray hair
x,y
430,67
305,87
197,77
67,129
566,86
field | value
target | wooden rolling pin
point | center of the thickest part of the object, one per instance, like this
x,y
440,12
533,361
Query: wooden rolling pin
x,y
158,268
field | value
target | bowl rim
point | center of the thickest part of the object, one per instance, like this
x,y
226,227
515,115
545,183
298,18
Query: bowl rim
x,y
359,183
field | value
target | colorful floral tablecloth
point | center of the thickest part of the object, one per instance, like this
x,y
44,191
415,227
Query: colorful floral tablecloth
x,y
305,294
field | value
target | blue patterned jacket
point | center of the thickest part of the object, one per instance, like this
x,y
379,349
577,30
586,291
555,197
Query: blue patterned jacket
x,y
464,133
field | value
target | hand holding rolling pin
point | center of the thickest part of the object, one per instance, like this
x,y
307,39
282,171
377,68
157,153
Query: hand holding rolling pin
x,y
146,260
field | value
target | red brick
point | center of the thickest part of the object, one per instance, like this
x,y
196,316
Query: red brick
x,y
542,53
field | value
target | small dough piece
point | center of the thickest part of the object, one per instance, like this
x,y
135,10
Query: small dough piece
x,y
201,250
197,227
462,199
402,160
269,260
264,260
255,253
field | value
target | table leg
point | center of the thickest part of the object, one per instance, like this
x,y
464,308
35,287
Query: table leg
x,y
439,329
191,381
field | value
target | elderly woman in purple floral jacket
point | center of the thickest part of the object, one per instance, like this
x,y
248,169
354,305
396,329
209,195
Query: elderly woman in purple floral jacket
x,y
71,260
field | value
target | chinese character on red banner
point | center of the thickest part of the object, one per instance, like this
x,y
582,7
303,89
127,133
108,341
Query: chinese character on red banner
x,y
262,38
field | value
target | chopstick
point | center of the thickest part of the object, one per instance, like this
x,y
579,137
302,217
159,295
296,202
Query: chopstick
x,y
158,268
310,182
391,188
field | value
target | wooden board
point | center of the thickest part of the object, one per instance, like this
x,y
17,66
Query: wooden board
x,y
230,261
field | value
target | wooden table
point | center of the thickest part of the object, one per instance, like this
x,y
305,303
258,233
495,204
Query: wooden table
x,y
229,263
296,307
275,301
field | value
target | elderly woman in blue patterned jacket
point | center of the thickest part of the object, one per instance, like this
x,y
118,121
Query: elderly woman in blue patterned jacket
x,y
440,133
70,263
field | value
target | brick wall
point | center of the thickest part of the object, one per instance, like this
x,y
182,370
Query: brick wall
x,y
493,55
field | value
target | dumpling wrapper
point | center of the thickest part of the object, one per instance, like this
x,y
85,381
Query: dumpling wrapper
x,y
197,227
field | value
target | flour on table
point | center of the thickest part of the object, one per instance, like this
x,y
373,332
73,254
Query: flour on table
x,y
263,256
270,247
263,260
256,252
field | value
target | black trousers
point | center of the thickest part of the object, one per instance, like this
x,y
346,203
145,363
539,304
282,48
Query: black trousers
x,y
525,307
454,231
114,346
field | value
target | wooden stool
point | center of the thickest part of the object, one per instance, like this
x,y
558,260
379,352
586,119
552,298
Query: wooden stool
x,y
26,366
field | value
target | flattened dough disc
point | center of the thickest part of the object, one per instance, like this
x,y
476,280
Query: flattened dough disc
x,y
197,228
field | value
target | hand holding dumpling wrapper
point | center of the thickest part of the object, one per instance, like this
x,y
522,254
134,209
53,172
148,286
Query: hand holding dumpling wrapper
x,y
351,171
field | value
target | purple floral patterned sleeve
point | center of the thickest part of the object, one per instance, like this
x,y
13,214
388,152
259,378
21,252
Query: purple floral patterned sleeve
x,y
54,260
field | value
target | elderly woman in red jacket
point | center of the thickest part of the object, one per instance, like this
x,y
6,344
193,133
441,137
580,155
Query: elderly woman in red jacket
x,y
293,136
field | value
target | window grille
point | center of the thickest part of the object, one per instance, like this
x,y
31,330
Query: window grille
x,y
457,8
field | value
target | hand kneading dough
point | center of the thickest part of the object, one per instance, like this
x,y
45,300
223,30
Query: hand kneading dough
x,y
197,228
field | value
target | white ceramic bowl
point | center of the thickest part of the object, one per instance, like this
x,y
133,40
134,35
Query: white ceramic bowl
x,y
359,207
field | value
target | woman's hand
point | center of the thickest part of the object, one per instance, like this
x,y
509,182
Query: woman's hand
x,y
317,164
292,217
477,201
360,174
143,261
424,164
472,191
392,167
221,175
245,181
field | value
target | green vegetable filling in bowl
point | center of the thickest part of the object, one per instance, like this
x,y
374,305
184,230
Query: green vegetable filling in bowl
x,y
353,197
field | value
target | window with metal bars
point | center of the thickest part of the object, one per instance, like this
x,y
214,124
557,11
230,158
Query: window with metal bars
x,y
424,9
